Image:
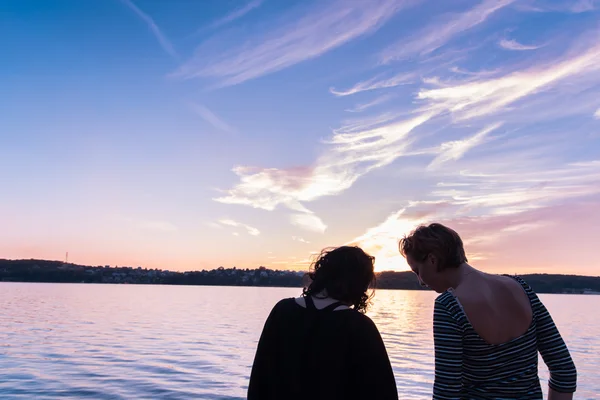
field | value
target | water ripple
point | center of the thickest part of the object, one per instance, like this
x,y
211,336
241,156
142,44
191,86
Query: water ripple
x,y
148,342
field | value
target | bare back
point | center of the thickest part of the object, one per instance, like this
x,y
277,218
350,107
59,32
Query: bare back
x,y
497,306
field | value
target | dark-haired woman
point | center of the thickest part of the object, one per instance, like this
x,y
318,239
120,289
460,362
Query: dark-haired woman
x,y
487,328
321,345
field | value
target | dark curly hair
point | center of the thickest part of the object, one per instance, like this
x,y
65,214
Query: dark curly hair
x,y
345,273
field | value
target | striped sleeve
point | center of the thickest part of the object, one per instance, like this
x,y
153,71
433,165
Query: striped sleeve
x,y
554,351
447,336
552,347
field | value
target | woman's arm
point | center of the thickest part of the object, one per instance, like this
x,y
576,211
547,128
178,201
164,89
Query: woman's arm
x,y
372,365
447,337
554,395
554,351
264,362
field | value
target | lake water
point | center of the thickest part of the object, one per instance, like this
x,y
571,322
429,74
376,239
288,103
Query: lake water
x,y
183,342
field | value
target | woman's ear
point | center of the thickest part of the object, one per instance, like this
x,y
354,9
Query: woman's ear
x,y
433,261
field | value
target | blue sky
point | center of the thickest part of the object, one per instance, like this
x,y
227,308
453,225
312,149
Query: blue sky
x,y
189,135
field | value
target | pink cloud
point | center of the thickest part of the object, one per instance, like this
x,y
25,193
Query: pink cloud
x,y
557,239
551,239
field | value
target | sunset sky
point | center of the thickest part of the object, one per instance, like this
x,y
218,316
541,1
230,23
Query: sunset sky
x,y
192,134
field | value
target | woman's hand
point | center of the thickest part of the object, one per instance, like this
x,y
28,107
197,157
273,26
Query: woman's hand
x,y
554,395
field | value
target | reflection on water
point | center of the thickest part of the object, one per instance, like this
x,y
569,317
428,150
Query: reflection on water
x,y
181,342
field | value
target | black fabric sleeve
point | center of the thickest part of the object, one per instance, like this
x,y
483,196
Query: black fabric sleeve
x,y
373,372
264,366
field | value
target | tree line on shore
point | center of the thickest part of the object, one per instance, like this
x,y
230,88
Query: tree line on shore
x,y
59,272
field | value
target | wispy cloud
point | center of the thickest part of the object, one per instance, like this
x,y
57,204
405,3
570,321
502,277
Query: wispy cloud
x,y
229,222
214,225
444,103
581,6
299,239
586,164
597,114
156,31
490,207
294,40
474,74
375,102
377,83
354,151
210,117
486,97
519,187
568,6
309,222
438,34
455,150
237,13
511,44
362,145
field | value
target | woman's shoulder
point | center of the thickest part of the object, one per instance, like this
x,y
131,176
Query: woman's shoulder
x,y
446,299
285,304
283,309
516,278
448,307
361,323
290,307
442,297
524,285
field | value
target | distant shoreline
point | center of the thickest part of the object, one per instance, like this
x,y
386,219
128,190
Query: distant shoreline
x,y
44,271
593,293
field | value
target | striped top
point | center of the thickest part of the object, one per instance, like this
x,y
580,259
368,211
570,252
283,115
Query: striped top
x,y
467,367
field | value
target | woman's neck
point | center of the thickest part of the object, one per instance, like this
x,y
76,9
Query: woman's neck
x,y
322,300
321,295
456,276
